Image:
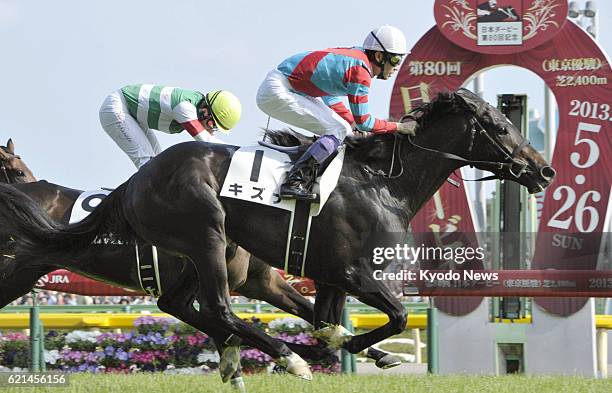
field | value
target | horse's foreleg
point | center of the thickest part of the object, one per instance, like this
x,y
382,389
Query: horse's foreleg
x,y
264,283
329,304
375,294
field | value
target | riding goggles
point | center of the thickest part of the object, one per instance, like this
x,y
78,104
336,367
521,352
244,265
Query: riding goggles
x,y
208,118
210,122
394,60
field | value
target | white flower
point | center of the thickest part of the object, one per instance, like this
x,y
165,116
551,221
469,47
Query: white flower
x,y
82,335
208,356
52,356
280,324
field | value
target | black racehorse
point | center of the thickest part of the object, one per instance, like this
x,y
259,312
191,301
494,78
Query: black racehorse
x,y
114,264
174,203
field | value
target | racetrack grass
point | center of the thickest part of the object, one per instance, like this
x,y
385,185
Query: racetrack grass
x,y
154,383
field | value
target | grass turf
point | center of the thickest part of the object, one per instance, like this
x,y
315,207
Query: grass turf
x,y
153,383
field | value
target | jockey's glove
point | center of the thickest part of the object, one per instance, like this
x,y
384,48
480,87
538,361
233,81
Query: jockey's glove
x,y
407,128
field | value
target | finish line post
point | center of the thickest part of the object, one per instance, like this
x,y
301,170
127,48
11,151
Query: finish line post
x,y
432,338
35,336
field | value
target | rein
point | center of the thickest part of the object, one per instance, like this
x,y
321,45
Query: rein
x,y
397,142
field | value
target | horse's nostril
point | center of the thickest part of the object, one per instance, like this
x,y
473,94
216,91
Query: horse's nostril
x,y
548,172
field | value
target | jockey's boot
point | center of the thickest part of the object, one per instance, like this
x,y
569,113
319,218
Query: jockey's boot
x,y
301,178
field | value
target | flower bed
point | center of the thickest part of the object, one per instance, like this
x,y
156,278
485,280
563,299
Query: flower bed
x,y
294,330
155,344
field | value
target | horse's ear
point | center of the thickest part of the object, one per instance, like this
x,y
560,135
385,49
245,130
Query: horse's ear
x,y
10,146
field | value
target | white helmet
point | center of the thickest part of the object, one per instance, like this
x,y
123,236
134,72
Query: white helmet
x,y
386,39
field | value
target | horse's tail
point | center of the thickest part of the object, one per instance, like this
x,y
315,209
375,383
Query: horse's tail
x,y
36,235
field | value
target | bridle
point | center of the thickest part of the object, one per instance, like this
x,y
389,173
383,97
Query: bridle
x,y
508,165
477,129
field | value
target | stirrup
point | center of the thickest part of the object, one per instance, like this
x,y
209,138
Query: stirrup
x,y
300,194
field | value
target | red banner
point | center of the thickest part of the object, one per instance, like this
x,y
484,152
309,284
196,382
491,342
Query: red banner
x,y
66,281
576,204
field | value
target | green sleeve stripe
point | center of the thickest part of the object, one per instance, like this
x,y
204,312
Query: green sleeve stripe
x,y
130,93
154,107
175,98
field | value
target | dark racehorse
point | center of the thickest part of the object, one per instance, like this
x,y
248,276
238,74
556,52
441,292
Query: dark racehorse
x,y
114,264
173,202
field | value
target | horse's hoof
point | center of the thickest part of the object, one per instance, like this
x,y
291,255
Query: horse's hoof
x,y
229,362
388,361
238,384
334,335
295,365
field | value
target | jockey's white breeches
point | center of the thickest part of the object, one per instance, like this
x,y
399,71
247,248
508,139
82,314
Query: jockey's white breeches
x,y
276,98
139,144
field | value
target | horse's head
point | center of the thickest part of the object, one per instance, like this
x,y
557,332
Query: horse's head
x,y
12,168
500,147
488,140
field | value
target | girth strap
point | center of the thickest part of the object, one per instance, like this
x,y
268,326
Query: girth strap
x,y
148,274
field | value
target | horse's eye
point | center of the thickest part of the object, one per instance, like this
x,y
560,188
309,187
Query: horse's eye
x,y
20,173
503,130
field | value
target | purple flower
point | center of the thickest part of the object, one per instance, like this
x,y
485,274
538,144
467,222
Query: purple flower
x,y
121,355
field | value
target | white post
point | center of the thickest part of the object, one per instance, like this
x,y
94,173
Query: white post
x,y
481,200
595,26
602,352
550,126
416,338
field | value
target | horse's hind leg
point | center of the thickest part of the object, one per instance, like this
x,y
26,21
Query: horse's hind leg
x,y
192,223
209,259
177,300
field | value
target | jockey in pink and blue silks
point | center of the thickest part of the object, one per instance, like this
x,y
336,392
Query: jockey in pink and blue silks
x,y
305,91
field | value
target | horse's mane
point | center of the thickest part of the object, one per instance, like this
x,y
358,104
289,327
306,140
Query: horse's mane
x,y
444,103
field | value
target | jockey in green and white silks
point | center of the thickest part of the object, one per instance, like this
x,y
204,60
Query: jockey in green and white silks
x,y
129,115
